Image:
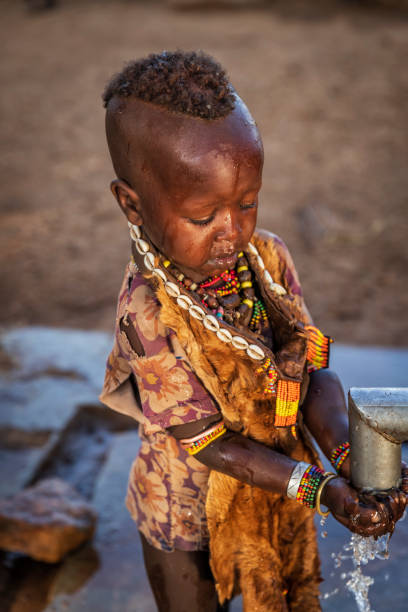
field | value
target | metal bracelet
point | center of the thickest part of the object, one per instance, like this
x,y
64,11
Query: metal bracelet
x,y
295,479
327,477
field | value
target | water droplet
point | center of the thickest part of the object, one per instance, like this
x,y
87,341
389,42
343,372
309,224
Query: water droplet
x,y
330,594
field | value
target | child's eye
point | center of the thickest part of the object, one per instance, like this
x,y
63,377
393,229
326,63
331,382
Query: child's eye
x,y
202,221
247,206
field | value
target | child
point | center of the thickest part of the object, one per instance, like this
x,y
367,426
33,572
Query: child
x,y
216,356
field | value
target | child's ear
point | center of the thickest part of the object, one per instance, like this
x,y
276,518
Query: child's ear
x,y
128,201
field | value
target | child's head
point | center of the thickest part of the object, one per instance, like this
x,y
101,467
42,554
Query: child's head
x,y
188,157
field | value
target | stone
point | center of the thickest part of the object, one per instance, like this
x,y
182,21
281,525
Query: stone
x,y
119,582
46,521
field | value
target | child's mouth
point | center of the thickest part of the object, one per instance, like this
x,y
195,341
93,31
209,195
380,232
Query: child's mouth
x,y
225,261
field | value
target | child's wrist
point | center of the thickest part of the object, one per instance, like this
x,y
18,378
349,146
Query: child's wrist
x,y
322,495
344,470
327,493
304,483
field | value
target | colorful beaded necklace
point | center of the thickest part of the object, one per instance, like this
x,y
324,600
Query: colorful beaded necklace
x,y
287,392
230,296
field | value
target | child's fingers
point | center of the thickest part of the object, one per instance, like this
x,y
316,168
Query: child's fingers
x,y
373,530
403,500
404,479
351,505
381,505
361,515
373,516
365,519
366,528
393,504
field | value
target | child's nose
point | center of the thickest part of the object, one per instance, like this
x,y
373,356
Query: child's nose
x,y
230,228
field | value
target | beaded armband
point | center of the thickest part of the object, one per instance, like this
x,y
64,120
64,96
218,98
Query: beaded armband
x,y
304,483
339,455
309,485
287,402
197,443
318,349
295,478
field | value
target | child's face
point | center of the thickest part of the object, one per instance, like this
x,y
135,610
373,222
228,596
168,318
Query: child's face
x,y
198,203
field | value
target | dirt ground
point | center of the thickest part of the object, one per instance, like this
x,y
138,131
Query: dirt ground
x,y
327,83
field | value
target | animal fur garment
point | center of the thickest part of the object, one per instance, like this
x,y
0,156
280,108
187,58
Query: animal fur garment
x,y
261,544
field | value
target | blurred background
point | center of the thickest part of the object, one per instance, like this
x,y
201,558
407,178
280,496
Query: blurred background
x,y
327,83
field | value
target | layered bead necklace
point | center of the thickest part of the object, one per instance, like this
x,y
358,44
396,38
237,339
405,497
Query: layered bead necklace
x,y
249,311
230,296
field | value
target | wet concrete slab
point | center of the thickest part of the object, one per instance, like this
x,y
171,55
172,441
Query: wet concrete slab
x,y
119,582
55,370
108,575
22,462
49,373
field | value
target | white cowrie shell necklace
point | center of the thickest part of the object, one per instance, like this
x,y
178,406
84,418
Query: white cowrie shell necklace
x,y
210,322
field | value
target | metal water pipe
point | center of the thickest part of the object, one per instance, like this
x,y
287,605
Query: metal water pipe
x,y
378,424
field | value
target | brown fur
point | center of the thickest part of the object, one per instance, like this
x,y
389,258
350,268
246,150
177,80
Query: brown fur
x,y
261,544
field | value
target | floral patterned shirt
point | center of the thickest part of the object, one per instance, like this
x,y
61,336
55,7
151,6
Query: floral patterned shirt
x,y
167,487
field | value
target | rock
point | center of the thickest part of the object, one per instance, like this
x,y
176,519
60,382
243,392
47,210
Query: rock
x,y
46,521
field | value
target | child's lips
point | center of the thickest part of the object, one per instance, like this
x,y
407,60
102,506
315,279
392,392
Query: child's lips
x,y
225,261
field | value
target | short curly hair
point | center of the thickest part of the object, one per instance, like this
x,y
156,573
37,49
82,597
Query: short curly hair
x,y
192,83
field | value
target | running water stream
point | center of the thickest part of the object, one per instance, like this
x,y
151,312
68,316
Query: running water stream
x,y
360,551
364,550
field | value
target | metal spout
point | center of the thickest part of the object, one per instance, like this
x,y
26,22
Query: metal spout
x,y
378,424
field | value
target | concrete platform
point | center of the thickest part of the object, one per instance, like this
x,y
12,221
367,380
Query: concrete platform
x,y
109,575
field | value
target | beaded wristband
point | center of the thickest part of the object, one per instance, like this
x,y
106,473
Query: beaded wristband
x,y
309,484
339,455
197,443
295,479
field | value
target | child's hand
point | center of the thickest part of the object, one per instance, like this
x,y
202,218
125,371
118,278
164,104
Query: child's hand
x,y
367,515
404,478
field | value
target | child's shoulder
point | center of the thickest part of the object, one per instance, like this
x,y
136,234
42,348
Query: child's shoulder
x,y
265,239
139,305
277,259
273,250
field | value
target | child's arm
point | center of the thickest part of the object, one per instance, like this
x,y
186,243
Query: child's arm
x,y
325,413
255,464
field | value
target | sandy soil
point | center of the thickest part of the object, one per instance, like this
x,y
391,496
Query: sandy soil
x,y
327,83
